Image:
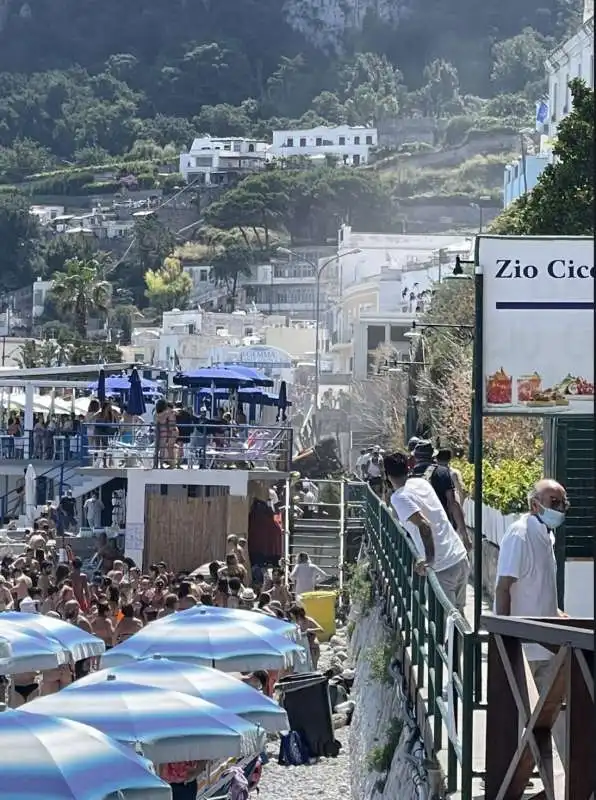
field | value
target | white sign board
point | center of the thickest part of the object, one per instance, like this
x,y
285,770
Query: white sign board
x,y
538,324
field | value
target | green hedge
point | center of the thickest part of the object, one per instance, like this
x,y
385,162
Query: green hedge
x,y
505,485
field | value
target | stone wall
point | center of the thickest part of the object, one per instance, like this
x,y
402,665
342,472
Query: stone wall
x,y
433,217
381,720
394,132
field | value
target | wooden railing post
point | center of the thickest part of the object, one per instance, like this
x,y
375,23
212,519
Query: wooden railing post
x,y
502,714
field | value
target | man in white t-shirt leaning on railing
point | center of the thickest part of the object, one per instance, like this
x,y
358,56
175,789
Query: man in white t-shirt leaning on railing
x,y
437,543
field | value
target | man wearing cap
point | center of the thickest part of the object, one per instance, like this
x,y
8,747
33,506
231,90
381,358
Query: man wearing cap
x,y
440,479
412,442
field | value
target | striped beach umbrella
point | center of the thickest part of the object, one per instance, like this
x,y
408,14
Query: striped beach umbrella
x,y
229,646
30,652
168,726
216,687
77,642
52,759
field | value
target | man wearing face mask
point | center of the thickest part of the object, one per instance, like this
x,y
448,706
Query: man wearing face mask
x,y
527,576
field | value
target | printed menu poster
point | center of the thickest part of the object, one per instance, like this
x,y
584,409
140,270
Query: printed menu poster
x,y
538,324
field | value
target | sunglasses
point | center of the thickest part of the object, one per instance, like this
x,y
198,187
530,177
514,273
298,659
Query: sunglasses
x,y
559,505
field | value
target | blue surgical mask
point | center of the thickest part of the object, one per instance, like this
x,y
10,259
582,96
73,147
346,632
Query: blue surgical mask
x,y
551,517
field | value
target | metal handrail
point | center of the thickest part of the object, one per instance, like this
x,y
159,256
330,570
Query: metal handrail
x,y
424,618
67,471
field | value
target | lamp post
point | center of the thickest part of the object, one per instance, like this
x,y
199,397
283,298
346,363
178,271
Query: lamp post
x,y
479,205
318,270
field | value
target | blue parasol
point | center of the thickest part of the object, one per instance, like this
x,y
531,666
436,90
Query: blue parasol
x,y
168,725
257,378
136,402
213,378
205,683
101,386
282,402
50,758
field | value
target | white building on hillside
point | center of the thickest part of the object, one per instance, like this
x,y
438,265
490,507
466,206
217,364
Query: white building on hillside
x,y
288,285
222,161
572,59
406,252
349,144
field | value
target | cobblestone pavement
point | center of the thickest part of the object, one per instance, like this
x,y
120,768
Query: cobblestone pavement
x,y
327,779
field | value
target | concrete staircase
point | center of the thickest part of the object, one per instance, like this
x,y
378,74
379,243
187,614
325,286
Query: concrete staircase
x,y
320,538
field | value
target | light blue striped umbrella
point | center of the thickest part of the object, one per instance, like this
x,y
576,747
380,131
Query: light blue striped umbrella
x,y
169,726
45,758
229,646
31,652
209,684
214,615
5,655
79,643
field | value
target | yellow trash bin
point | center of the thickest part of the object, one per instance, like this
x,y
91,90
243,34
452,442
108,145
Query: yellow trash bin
x,y
321,607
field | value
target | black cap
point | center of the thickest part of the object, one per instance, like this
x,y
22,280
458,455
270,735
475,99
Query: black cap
x,y
424,450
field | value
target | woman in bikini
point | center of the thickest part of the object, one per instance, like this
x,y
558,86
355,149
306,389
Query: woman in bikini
x,y
25,687
167,432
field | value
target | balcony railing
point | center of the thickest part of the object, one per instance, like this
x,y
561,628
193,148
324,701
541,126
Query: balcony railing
x,y
213,445
40,445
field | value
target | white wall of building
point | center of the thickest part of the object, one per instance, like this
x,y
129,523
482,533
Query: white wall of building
x,y
393,251
573,59
343,141
138,480
209,155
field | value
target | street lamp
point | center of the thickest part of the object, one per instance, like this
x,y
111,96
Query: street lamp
x,y
479,206
318,271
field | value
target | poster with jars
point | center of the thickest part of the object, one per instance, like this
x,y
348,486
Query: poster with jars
x,y
538,324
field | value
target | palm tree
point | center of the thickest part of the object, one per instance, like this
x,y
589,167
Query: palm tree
x,y
81,290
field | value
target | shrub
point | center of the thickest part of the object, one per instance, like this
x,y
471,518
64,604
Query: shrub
x,y
505,484
359,588
379,659
379,759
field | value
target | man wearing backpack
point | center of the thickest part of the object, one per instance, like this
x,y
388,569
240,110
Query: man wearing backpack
x,y
441,480
439,547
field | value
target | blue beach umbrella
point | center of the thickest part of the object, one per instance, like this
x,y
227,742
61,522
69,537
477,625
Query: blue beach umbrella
x,y
45,758
257,378
30,651
136,402
216,687
212,615
168,726
77,642
212,378
101,386
5,654
230,647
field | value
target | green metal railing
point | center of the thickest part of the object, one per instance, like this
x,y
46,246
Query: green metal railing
x,y
424,619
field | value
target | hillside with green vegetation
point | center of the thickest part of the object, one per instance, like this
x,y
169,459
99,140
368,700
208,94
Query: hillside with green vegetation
x,y
86,82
